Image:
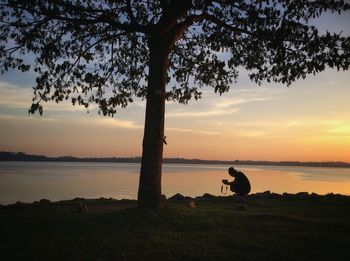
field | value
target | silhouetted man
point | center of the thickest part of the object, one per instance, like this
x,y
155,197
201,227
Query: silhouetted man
x,y
240,185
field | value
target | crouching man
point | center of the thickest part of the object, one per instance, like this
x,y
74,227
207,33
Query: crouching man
x,y
240,186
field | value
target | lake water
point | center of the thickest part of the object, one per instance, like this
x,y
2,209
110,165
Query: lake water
x,y
30,181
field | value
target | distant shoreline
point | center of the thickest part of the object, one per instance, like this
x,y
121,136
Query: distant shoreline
x,y
20,156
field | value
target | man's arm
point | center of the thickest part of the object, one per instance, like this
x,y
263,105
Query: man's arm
x,y
225,181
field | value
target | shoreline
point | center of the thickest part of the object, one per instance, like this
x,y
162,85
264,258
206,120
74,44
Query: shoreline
x,y
266,195
23,157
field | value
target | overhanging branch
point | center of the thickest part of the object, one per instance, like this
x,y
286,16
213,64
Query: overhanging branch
x,y
106,16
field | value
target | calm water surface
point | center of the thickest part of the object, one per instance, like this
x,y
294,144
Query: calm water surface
x,y
30,181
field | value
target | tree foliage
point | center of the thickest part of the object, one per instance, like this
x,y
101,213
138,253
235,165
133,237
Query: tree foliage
x,y
97,52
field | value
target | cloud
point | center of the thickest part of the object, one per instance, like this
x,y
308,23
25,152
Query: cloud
x,y
66,106
13,96
16,97
7,117
216,106
340,128
249,133
207,113
193,131
308,128
113,122
226,103
70,121
99,121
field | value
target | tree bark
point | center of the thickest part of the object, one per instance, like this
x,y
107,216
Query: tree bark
x,y
161,42
149,194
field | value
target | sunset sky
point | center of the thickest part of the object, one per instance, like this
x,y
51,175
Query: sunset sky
x,y
308,121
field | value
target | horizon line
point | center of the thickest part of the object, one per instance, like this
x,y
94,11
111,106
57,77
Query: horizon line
x,y
172,158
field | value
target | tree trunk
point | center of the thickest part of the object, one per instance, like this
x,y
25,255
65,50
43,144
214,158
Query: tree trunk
x,y
149,194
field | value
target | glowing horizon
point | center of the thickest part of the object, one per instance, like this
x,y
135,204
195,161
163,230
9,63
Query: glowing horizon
x,y
303,123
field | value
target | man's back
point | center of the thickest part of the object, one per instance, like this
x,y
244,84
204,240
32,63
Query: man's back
x,y
241,184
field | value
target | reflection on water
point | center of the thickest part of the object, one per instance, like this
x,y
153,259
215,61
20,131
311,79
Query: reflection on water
x,y
30,181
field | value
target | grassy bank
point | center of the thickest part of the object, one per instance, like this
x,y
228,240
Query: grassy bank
x,y
270,229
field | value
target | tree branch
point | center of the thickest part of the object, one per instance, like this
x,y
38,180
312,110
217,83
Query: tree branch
x,y
175,10
130,13
219,22
106,16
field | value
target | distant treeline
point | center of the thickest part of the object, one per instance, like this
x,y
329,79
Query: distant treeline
x,y
20,156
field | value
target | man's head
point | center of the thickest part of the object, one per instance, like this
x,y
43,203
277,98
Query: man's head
x,y
232,172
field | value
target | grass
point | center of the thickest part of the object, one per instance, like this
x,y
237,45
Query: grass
x,y
270,229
